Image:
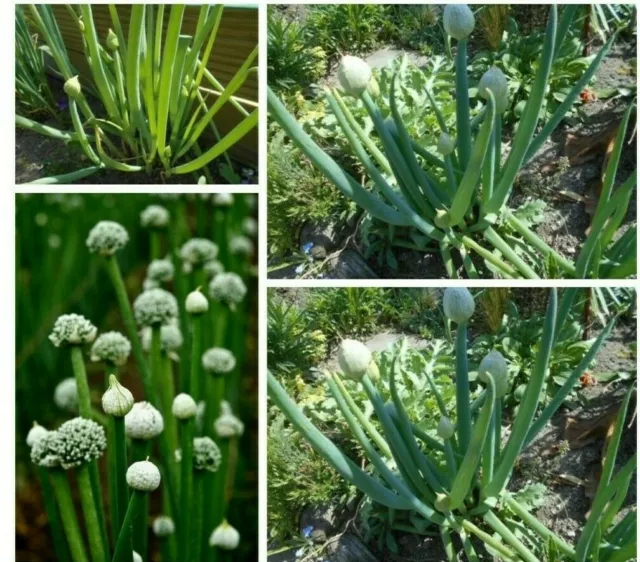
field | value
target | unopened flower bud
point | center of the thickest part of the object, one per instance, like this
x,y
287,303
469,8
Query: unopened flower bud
x,y
354,358
117,401
225,537
458,21
72,88
446,429
354,75
143,476
184,407
445,144
196,303
112,40
458,304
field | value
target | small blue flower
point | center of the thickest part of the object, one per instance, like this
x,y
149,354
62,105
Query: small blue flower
x,y
63,104
300,269
307,531
307,247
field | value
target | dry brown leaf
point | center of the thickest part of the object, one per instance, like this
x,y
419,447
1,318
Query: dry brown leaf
x,y
582,432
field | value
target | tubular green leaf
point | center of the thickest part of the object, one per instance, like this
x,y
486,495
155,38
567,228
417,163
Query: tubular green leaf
x,y
463,411
462,105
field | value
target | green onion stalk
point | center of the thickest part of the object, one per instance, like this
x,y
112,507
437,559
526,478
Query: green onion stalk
x,y
156,99
470,498
454,199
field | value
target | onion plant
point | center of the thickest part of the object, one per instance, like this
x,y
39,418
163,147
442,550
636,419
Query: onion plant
x,y
456,484
196,462
455,199
155,97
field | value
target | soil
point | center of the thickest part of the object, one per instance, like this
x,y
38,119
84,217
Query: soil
x,y
570,475
566,218
39,156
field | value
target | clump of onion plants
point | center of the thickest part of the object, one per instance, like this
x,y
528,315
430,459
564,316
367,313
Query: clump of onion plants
x,y
155,96
456,483
455,200
148,431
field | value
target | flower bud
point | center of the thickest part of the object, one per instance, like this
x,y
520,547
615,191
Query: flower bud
x,y
184,407
163,526
117,401
225,537
81,25
143,422
196,303
137,557
458,304
223,199
72,88
354,75
143,476
446,429
445,144
373,88
112,40
494,80
354,359
458,21
493,363
65,395
218,361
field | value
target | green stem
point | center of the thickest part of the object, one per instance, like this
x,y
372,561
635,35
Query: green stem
x,y
123,551
186,487
62,493
91,520
53,517
462,389
140,450
80,374
218,507
112,465
154,241
198,523
494,522
122,489
127,317
196,352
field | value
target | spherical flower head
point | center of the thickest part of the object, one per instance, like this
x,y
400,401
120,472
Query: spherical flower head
x,y
218,361
160,271
155,307
458,304
493,363
44,452
445,144
494,80
117,400
184,407
223,199
198,251
196,303
354,75
213,268
250,226
225,537
163,526
446,429
227,425
458,21
143,476
354,358
79,441
241,246
206,455
155,217
106,238
65,395
72,329
72,88
112,348
143,422
36,433
171,339
228,288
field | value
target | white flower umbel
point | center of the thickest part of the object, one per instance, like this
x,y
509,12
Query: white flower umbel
x,y
160,271
458,21
445,144
196,303
225,537
117,401
354,75
65,395
106,238
494,80
36,433
112,348
228,288
250,226
213,268
458,304
227,425
219,361
241,246
206,454
155,216
163,526
143,476
223,199
155,307
79,441
354,358
198,251
72,329
143,421
44,452
184,407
